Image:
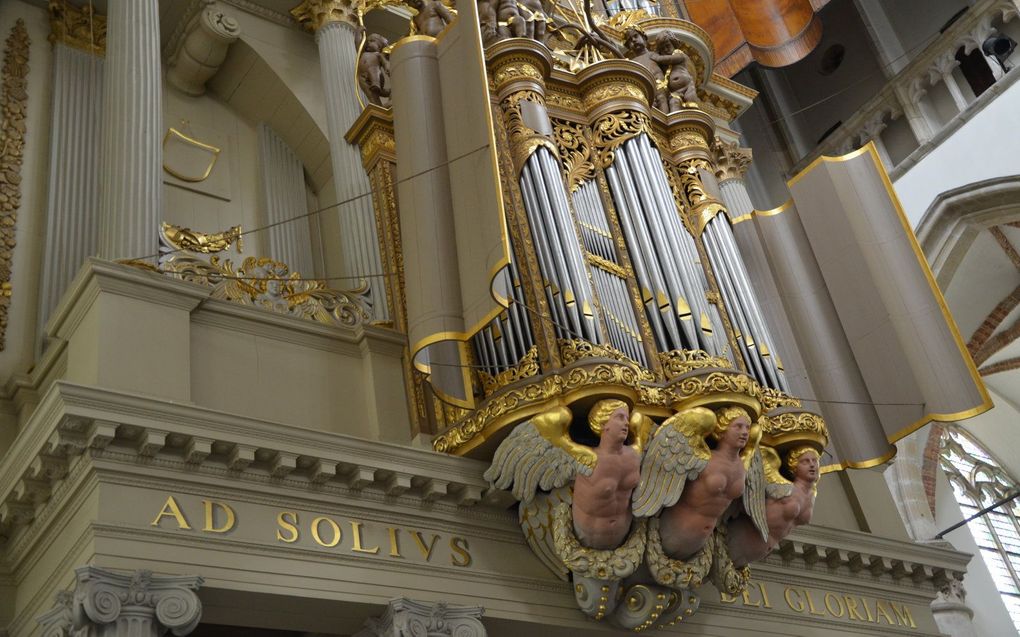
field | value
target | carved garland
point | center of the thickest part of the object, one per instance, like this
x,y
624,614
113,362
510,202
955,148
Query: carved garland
x,y
14,105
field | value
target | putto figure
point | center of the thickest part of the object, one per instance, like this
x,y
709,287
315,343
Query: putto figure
x,y
374,70
789,504
677,80
431,18
540,456
693,485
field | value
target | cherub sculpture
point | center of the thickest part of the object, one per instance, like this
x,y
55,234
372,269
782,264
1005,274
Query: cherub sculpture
x,y
635,41
540,456
789,504
431,18
677,80
374,70
695,486
534,14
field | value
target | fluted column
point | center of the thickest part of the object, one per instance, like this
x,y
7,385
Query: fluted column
x,y
72,201
408,617
283,190
131,187
108,604
335,28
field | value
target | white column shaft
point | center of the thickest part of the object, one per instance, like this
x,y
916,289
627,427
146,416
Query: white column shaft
x,y
132,129
734,195
337,55
283,189
72,203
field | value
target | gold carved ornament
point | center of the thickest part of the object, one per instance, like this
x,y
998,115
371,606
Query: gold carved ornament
x,y
665,570
13,106
613,91
795,427
188,240
680,361
606,565
526,368
263,282
315,14
575,152
80,28
611,131
175,138
523,140
574,350
516,71
703,207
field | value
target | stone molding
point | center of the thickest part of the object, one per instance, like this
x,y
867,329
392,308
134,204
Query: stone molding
x,y
408,618
109,604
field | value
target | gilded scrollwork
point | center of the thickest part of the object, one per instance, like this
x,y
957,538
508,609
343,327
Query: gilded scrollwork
x,y
526,368
614,129
516,71
665,570
606,565
575,152
523,139
13,107
573,350
680,361
263,282
81,28
774,398
188,240
612,91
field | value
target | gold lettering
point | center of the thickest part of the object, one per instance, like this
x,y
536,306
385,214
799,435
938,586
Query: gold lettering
x,y
171,509
788,593
726,598
287,525
356,532
833,600
336,532
864,603
459,555
394,546
764,595
209,514
851,609
881,610
903,615
811,603
747,600
426,551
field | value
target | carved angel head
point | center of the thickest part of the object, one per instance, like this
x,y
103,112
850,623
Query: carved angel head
x,y
732,427
610,420
635,40
802,463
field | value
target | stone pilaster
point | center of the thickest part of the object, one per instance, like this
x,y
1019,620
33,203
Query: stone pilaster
x,y
406,618
72,198
108,604
131,185
283,189
335,26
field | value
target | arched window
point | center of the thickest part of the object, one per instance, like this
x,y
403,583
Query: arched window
x,y
978,481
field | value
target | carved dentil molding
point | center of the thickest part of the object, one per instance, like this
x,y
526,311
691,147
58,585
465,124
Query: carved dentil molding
x,y
149,604
407,618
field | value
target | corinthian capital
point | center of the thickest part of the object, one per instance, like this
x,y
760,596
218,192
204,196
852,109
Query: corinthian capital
x,y
731,161
81,28
315,14
407,617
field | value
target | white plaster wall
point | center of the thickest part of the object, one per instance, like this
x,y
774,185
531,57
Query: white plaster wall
x,y
230,195
18,351
983,148
990,615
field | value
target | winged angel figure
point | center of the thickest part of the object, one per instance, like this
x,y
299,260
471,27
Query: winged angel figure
x,y
790,503
692,486
541,462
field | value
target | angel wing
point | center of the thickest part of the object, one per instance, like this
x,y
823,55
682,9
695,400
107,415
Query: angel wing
x,y
776,486
641,426
539,454
536,522
754,493
676,454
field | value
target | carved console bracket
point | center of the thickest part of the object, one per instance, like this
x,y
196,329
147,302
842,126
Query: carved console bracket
x,y
197,51
407,618
115,604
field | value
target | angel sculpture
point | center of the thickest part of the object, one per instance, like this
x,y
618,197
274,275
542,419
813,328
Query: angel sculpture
x,y
540,456
789,504
677,80
693,485
431,17
374,70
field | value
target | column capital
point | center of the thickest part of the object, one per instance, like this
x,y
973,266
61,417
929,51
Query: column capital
x,y
731,161
81,28
104,599
405,617
316,14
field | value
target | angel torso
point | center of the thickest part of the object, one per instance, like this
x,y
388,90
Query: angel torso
x,y
787,513
601,508
688,524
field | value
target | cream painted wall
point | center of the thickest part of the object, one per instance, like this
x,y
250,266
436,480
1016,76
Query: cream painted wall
x,y
19,342
230,195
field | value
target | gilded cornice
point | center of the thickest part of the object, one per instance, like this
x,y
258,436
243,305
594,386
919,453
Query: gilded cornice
x,y
315,14
13,106
373,133
81,28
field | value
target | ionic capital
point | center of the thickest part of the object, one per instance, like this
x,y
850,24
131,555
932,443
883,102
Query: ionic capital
x,y
316,14
81,28
404,617
107,604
